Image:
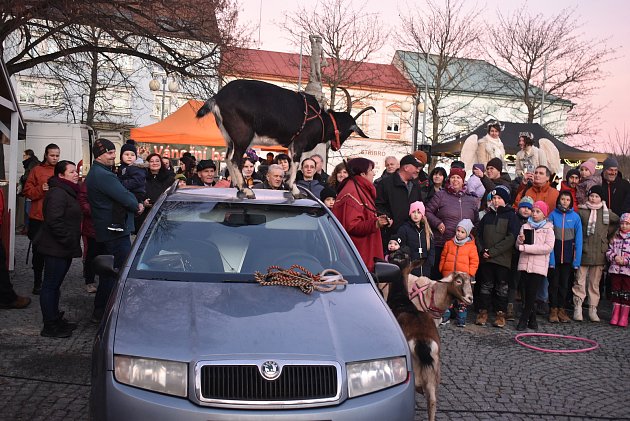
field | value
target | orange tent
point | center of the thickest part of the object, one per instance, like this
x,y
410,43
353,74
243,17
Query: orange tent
x,y
182,128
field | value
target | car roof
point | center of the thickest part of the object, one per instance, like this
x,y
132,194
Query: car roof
x,y
263,196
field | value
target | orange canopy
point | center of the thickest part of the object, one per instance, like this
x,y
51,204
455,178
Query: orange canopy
x,y
183,128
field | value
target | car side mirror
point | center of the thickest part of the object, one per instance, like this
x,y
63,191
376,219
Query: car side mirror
x,y
103,265
386,272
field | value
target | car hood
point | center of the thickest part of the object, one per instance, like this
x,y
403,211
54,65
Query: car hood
x,y
189,321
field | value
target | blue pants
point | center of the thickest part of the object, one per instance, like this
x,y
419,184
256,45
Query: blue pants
x,y
119,248
55,269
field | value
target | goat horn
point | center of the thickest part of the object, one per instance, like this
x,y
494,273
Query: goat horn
x,y
348,99
364,110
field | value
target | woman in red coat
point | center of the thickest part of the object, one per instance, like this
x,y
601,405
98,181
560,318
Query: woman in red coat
x,y
356,210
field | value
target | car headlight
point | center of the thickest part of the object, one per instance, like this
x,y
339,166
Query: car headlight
x,y
170,377
370,376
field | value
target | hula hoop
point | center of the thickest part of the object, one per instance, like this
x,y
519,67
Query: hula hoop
x,y
594,344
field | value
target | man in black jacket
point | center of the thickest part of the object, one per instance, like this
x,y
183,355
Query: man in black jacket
x,y
395,193
616,189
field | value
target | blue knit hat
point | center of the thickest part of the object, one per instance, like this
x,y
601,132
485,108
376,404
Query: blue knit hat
x,y
503,192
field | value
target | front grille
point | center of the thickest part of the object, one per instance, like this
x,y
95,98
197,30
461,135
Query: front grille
x,y
245,383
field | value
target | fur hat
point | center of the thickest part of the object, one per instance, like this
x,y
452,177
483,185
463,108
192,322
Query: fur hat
x,y
206,163
417,206
590,164
610,162
130,145
410,160
502,192
543,207
457,171
526,202
421,156
101,146
598,190
495,163
467,225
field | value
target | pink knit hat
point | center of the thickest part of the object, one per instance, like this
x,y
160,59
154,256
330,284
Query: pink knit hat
x,y
543,207
590,164
416,206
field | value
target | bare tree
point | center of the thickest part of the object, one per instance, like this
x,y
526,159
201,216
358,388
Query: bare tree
x,y
448,34
182,37
349,37
550,53
620,147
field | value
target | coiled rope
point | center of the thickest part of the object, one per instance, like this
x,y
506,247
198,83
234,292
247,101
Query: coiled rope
x,y
298,276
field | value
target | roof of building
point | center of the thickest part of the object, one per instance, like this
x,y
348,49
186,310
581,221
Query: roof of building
x,y
470,76
272,65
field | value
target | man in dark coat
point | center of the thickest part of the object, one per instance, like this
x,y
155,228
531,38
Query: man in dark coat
x,y
206,173
616,189
104,188
395,193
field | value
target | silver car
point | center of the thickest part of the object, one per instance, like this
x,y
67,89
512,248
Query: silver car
x,y
190,334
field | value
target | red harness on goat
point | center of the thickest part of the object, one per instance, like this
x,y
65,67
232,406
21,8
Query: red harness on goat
x,y
421,291
335,144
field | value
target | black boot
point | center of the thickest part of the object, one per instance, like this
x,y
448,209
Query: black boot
x,y
56,329
533,323
522,322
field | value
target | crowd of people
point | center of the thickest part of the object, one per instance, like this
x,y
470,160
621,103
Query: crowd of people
x,y
524,240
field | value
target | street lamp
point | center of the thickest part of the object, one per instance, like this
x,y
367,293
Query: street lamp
x,y
155,85
418,107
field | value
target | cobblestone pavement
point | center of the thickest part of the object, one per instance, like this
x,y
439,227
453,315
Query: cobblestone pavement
x,y
486,375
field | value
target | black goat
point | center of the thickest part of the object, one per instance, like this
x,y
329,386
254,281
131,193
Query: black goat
x,y
250,112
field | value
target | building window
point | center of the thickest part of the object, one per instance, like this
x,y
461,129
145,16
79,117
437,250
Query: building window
x,y
27,92
52,94
393,122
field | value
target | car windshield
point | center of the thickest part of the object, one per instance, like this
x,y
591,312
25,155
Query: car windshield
x,y
229,242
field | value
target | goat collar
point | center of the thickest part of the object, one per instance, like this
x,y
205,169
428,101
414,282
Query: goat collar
x,y
335,144
421,292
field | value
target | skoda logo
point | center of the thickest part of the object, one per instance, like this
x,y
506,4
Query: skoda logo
x,y
270,370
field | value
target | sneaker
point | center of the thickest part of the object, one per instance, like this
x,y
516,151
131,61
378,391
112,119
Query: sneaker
x,y
444,322
91,288
56,330
116,227
19,302
460,323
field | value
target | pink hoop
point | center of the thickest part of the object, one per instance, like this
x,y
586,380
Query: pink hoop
x,y
518,337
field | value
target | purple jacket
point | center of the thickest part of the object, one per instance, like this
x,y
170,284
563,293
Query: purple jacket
x,y
448,208
619,247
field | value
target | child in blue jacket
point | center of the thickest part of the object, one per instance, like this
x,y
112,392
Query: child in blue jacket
x,y
566,255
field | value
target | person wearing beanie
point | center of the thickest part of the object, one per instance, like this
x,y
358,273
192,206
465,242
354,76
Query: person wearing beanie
x,y
460,255
570,182
422,158
567,254
446,209
598,222
394,244
538,187
103,190
496,235
417,235
616,189
181,180
618,255
35,188
458,164
328,196
535,242
492,177
588,179
133,178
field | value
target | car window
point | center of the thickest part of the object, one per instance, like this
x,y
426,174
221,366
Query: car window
x,y
232,241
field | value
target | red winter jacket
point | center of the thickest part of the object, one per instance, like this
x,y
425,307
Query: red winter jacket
x,y
356,211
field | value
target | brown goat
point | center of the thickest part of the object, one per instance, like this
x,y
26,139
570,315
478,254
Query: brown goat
x,y
407,301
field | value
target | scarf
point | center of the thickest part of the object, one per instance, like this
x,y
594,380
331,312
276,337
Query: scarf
x,y
562,209
592,218
535,225
460,193
461,242
73,186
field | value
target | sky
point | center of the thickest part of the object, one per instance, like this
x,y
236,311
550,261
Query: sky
x,y
603,19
